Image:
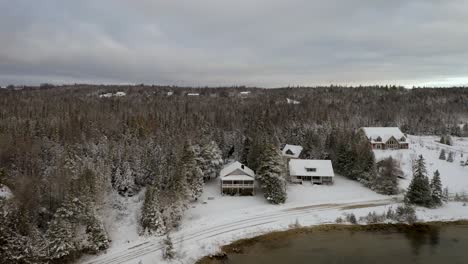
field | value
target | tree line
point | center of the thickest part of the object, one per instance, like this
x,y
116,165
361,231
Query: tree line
x,y
64,151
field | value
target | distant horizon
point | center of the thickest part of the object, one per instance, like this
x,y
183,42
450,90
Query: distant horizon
x,y
38,85
264,43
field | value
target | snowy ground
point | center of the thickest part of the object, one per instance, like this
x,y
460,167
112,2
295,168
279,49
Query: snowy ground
x,y
453,176
209,224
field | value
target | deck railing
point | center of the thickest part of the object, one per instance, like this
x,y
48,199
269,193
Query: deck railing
x,y
238,185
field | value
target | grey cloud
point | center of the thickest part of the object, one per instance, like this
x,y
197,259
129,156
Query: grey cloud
x,y
213,42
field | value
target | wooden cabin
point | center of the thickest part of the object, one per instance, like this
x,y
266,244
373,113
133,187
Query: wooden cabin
x,y
237,179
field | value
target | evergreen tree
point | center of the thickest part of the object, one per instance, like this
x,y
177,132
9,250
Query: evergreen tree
x,y
442,154
168,251
152,220
97,235
211,160
450,157
436,189
419,190
344,161
191,171
60,238
271,175
124,181
388,173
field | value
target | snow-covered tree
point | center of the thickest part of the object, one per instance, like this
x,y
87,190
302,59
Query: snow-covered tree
x,y
450,157
436,189
442,154
446,139
419,190
388,172
97,235
191,171
60,239
168,251
271,175
152,220
211,160
124,181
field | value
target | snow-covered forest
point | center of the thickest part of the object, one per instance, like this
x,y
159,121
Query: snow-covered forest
x,y
69,155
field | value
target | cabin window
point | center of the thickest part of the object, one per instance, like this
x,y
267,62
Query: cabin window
x,y
311,169
289,152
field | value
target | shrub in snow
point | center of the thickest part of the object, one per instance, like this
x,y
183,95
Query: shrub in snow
x,y
405,214
450,157
339,220
446,139
168,251
373,218
351,218
442,154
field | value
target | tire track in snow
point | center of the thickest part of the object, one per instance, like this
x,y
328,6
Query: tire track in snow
x,y
154,245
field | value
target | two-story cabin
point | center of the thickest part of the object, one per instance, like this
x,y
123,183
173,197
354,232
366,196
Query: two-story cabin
x,y
385,137
236,178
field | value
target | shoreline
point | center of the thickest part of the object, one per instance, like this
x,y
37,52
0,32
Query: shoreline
x,y
239,246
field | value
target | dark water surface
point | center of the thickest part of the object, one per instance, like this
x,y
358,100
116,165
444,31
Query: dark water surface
x,y
438,245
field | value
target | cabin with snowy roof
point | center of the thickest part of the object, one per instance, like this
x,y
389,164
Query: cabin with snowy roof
x,y
291,151
385,137
314,171
236,178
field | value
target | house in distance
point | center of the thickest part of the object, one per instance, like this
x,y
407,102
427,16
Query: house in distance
x,y
314,171
385,137
291,151
236,178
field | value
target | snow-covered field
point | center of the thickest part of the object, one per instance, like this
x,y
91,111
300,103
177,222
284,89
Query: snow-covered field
x,y
453,176
218,220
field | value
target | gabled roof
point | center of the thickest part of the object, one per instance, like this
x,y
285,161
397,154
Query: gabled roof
x,y
236,169
372,133
294,149
298,167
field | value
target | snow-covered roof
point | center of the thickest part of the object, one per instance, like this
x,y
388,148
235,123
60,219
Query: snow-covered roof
x,y
5,192
193,94
236,169
302,167
292,151
372,133
245,92
120,94
291,101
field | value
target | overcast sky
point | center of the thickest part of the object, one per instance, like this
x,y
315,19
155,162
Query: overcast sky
x,y
267,43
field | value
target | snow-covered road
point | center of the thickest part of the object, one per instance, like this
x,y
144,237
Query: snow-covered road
x,y
134,252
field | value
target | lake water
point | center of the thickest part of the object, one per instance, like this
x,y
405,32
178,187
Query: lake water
x,y
446,244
